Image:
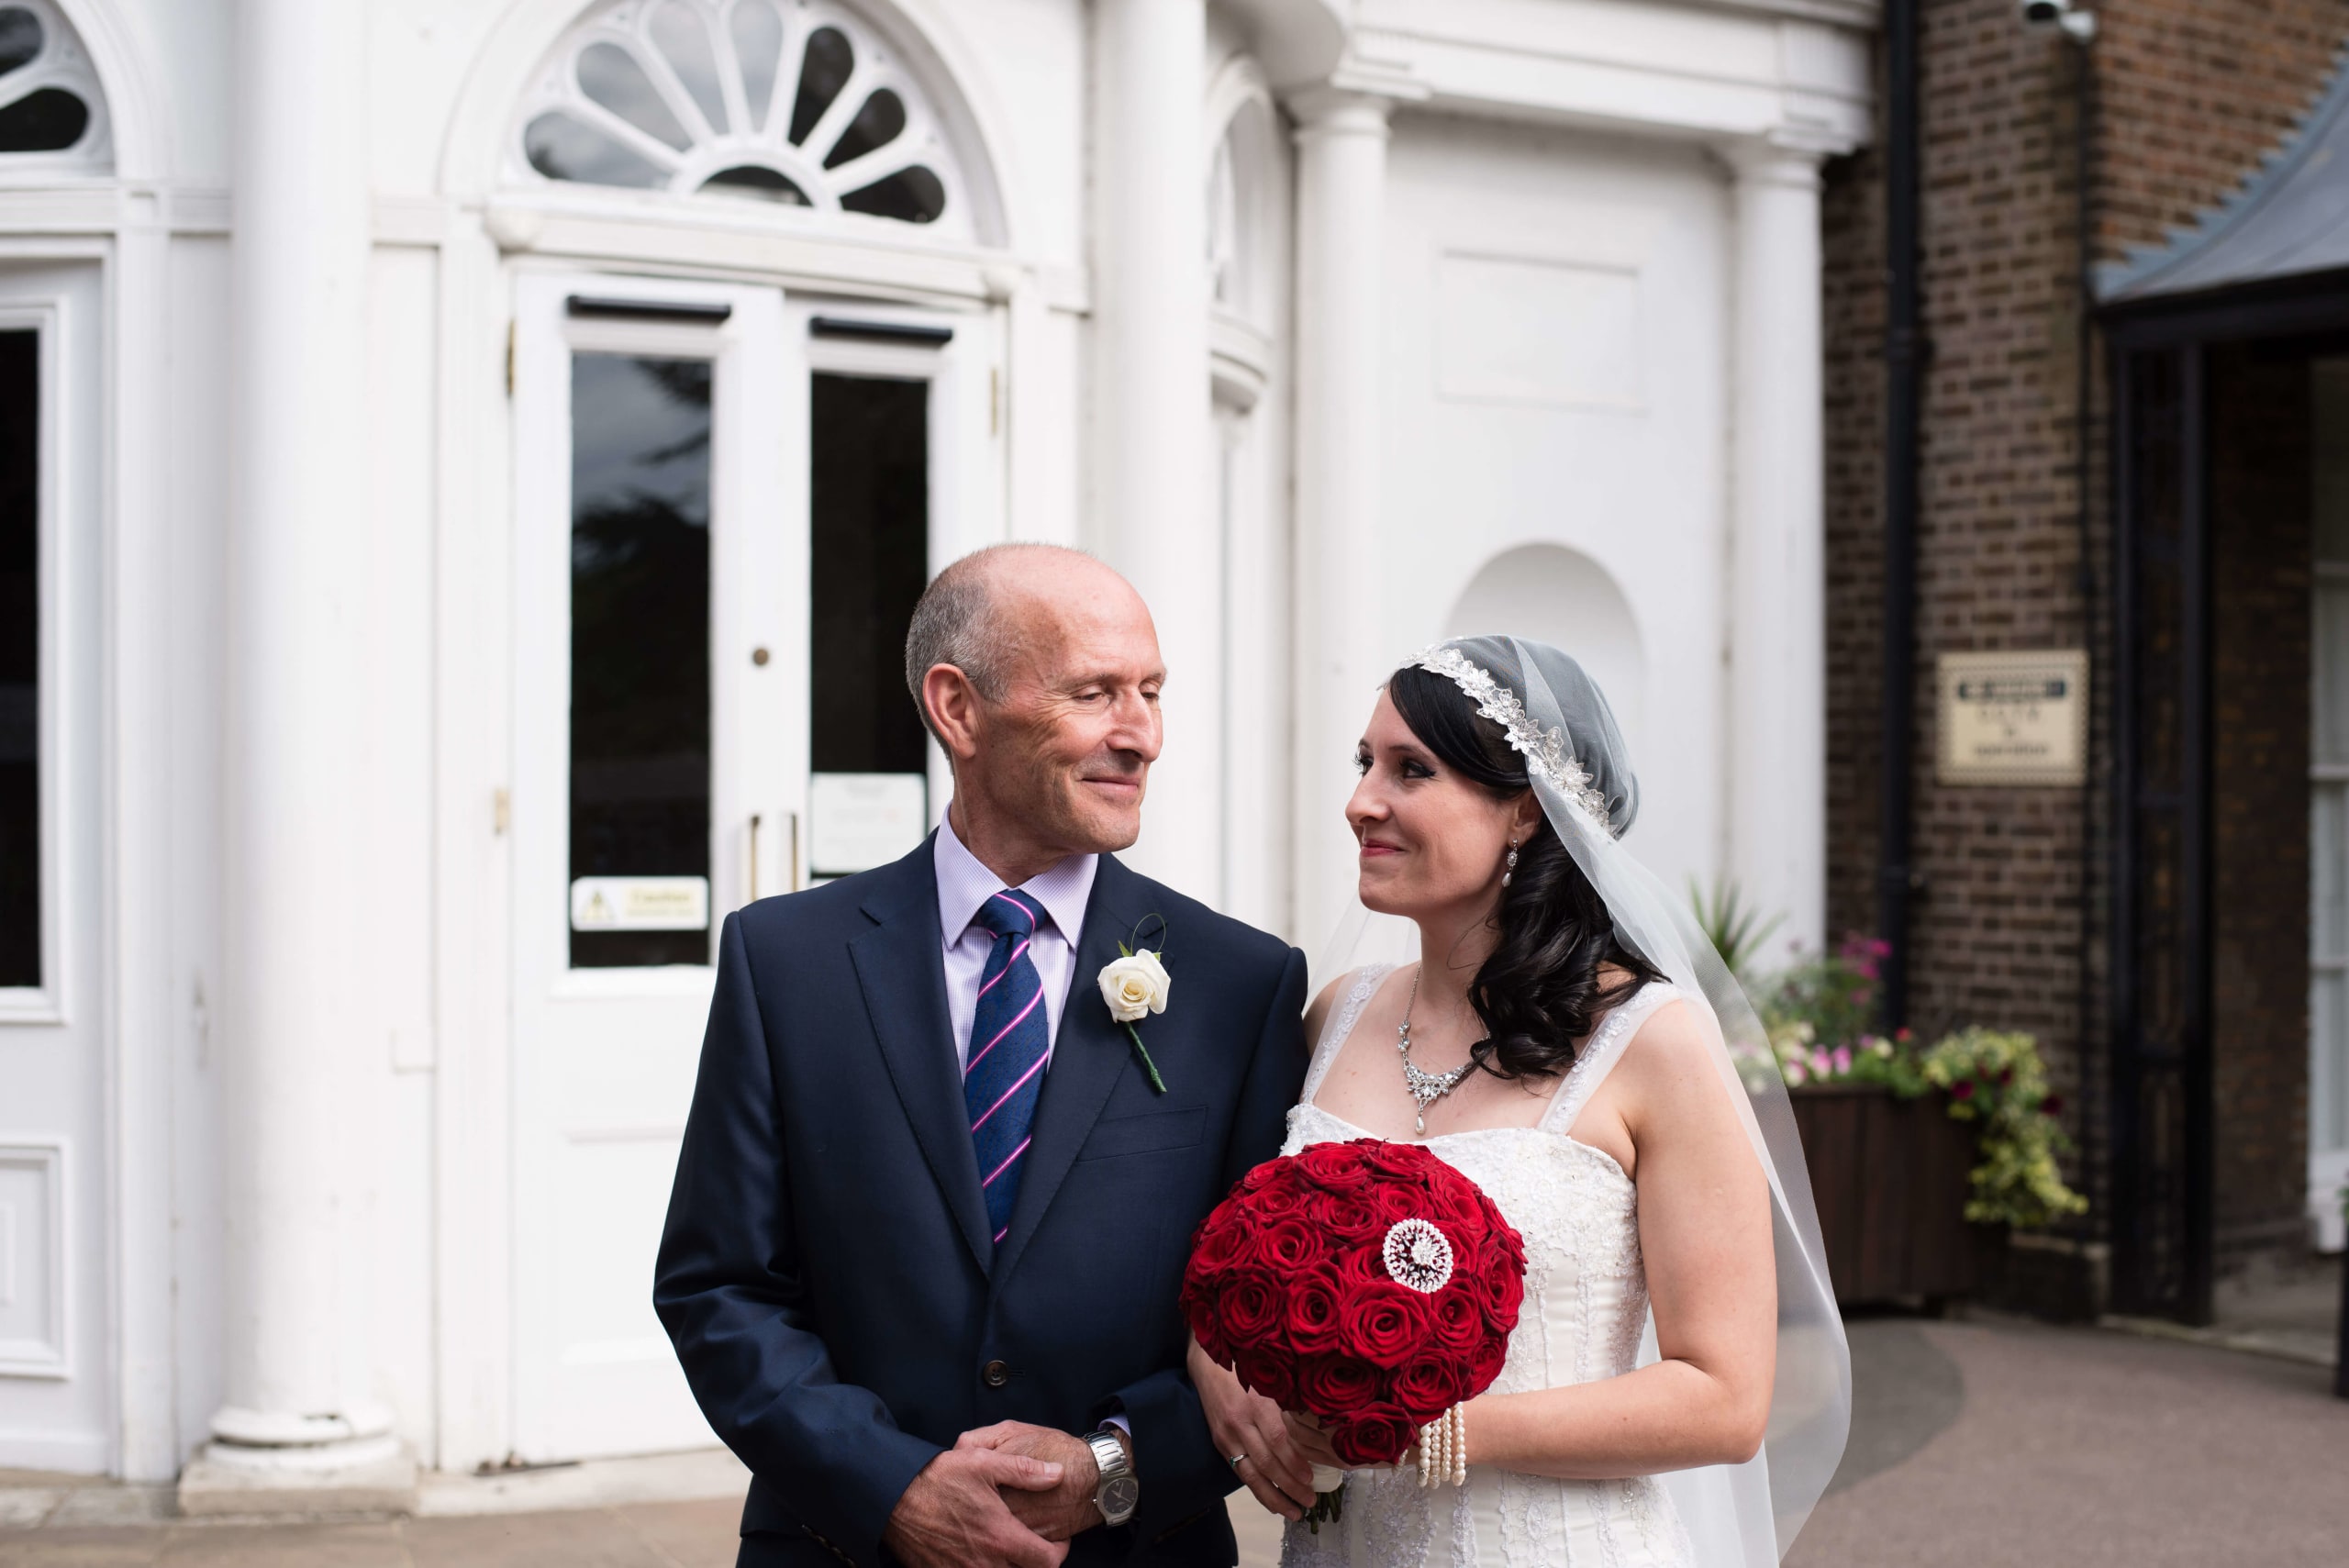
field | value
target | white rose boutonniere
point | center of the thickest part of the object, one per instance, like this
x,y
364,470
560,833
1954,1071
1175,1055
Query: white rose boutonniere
x,y
1135,984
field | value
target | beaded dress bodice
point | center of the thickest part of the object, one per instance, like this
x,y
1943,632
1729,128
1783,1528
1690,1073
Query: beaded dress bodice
x,y
1586,1309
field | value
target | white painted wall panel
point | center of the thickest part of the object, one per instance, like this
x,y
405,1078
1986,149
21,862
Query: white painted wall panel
x,y
1609,257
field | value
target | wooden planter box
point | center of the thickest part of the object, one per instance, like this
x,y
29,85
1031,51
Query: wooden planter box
x,y
1890,1178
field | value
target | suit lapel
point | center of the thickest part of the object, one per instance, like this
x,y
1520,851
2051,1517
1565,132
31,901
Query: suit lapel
x,y
902,972
1088,1056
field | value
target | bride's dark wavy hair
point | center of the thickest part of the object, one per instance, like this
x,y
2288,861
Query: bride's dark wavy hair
x,y
1540,991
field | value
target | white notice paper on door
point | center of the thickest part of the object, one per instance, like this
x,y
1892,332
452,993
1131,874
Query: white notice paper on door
x,y
639,904
857,821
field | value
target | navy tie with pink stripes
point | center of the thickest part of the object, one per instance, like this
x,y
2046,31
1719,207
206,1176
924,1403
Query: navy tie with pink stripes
x,y
1010,1037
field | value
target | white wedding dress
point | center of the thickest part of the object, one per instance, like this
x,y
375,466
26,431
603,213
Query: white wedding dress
x,y
1586,1309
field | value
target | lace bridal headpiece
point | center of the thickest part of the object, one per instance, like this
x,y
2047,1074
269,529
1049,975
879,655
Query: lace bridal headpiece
x,y
1548,753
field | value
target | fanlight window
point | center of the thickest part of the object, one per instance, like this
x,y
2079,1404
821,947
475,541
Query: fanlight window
x,y
51,112
797,103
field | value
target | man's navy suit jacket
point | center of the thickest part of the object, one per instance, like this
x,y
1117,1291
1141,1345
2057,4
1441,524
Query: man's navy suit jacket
x,y
826,1272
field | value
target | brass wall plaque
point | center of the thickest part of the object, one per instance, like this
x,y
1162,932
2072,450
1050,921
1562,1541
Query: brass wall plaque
x,y
2014,717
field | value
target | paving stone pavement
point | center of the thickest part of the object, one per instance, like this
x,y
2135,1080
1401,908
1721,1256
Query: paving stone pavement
x,y
1979,1444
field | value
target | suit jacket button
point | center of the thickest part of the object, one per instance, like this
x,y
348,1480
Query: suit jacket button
x,y
995,1375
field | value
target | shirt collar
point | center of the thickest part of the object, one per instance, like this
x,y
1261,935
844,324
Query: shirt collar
x,y
965,883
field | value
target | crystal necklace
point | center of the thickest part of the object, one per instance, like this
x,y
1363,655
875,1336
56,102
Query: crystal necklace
x,y
1426,1088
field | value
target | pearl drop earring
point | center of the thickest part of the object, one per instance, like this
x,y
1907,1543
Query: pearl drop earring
x,y
1509,868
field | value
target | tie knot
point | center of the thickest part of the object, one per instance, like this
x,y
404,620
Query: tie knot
x,y
1009,914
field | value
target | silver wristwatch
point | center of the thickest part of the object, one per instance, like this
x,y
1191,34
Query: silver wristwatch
x,y
1117,1492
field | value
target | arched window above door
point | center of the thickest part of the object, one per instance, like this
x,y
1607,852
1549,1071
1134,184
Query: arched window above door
x,y
53,112
790,102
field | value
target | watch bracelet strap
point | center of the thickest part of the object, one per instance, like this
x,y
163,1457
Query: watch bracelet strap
x,y
1105,1442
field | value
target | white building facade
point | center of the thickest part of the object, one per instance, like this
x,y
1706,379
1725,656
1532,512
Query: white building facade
x,y
467,463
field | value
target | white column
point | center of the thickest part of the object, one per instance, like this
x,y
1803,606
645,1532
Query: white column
x,y
295,1127
1777,757
1340,315
1153,514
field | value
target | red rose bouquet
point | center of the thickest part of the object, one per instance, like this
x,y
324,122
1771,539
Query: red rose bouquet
x,y
1368,1284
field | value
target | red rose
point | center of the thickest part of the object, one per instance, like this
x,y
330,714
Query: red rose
x,y
1220,1244
1334,1167
1399,1160
1453,1206
1458,1325
1385,1324
1375,1435
1501,1281
1395,1201
1270,1372
1335,1387
1249,1309
1277,1199
1311,1320
1485,1366
1271,1170
1430,1387
1363,1266
1288,1245
1343,1217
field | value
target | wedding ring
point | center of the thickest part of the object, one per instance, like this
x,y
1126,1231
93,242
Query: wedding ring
x,y
1235,1459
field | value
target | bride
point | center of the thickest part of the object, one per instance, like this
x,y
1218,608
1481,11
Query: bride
x,y
1568,1039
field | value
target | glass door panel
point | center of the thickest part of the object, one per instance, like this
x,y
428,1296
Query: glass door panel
x,y
868,541
20,629
640,661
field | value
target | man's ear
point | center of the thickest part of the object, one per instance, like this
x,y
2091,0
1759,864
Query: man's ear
x,y
953,705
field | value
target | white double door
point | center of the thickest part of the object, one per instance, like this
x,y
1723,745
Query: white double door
x,y
727,501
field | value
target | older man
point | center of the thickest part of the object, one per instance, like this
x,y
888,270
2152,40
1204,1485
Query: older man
x,y
931,1213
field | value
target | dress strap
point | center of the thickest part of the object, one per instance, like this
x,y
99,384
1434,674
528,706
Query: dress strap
x,y
1340,1023
1600,1053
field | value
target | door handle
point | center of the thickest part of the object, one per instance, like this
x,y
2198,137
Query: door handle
x,y
791,827
754,859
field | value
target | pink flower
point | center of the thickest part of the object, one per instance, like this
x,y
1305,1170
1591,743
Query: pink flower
x,y
1793,1070
1822,1064
1842,1059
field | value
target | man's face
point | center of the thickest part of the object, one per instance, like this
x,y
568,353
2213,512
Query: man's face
x,y
1068,750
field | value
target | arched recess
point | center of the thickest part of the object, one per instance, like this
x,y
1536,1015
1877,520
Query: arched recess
x,y
1547,593
485,153
1247,197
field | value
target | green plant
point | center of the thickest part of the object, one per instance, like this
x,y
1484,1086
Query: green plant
x,y
1817,1014
1736,931
1999,1079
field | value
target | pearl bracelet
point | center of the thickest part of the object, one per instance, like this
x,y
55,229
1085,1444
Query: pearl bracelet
x,y
1443,1449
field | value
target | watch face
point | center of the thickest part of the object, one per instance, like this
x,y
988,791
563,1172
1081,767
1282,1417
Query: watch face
x,y
1119,1497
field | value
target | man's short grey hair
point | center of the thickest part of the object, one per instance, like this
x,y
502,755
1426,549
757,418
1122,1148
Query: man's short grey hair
x,y
954,624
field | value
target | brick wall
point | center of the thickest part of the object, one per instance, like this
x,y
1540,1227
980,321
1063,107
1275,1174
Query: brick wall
x,y
2191,94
